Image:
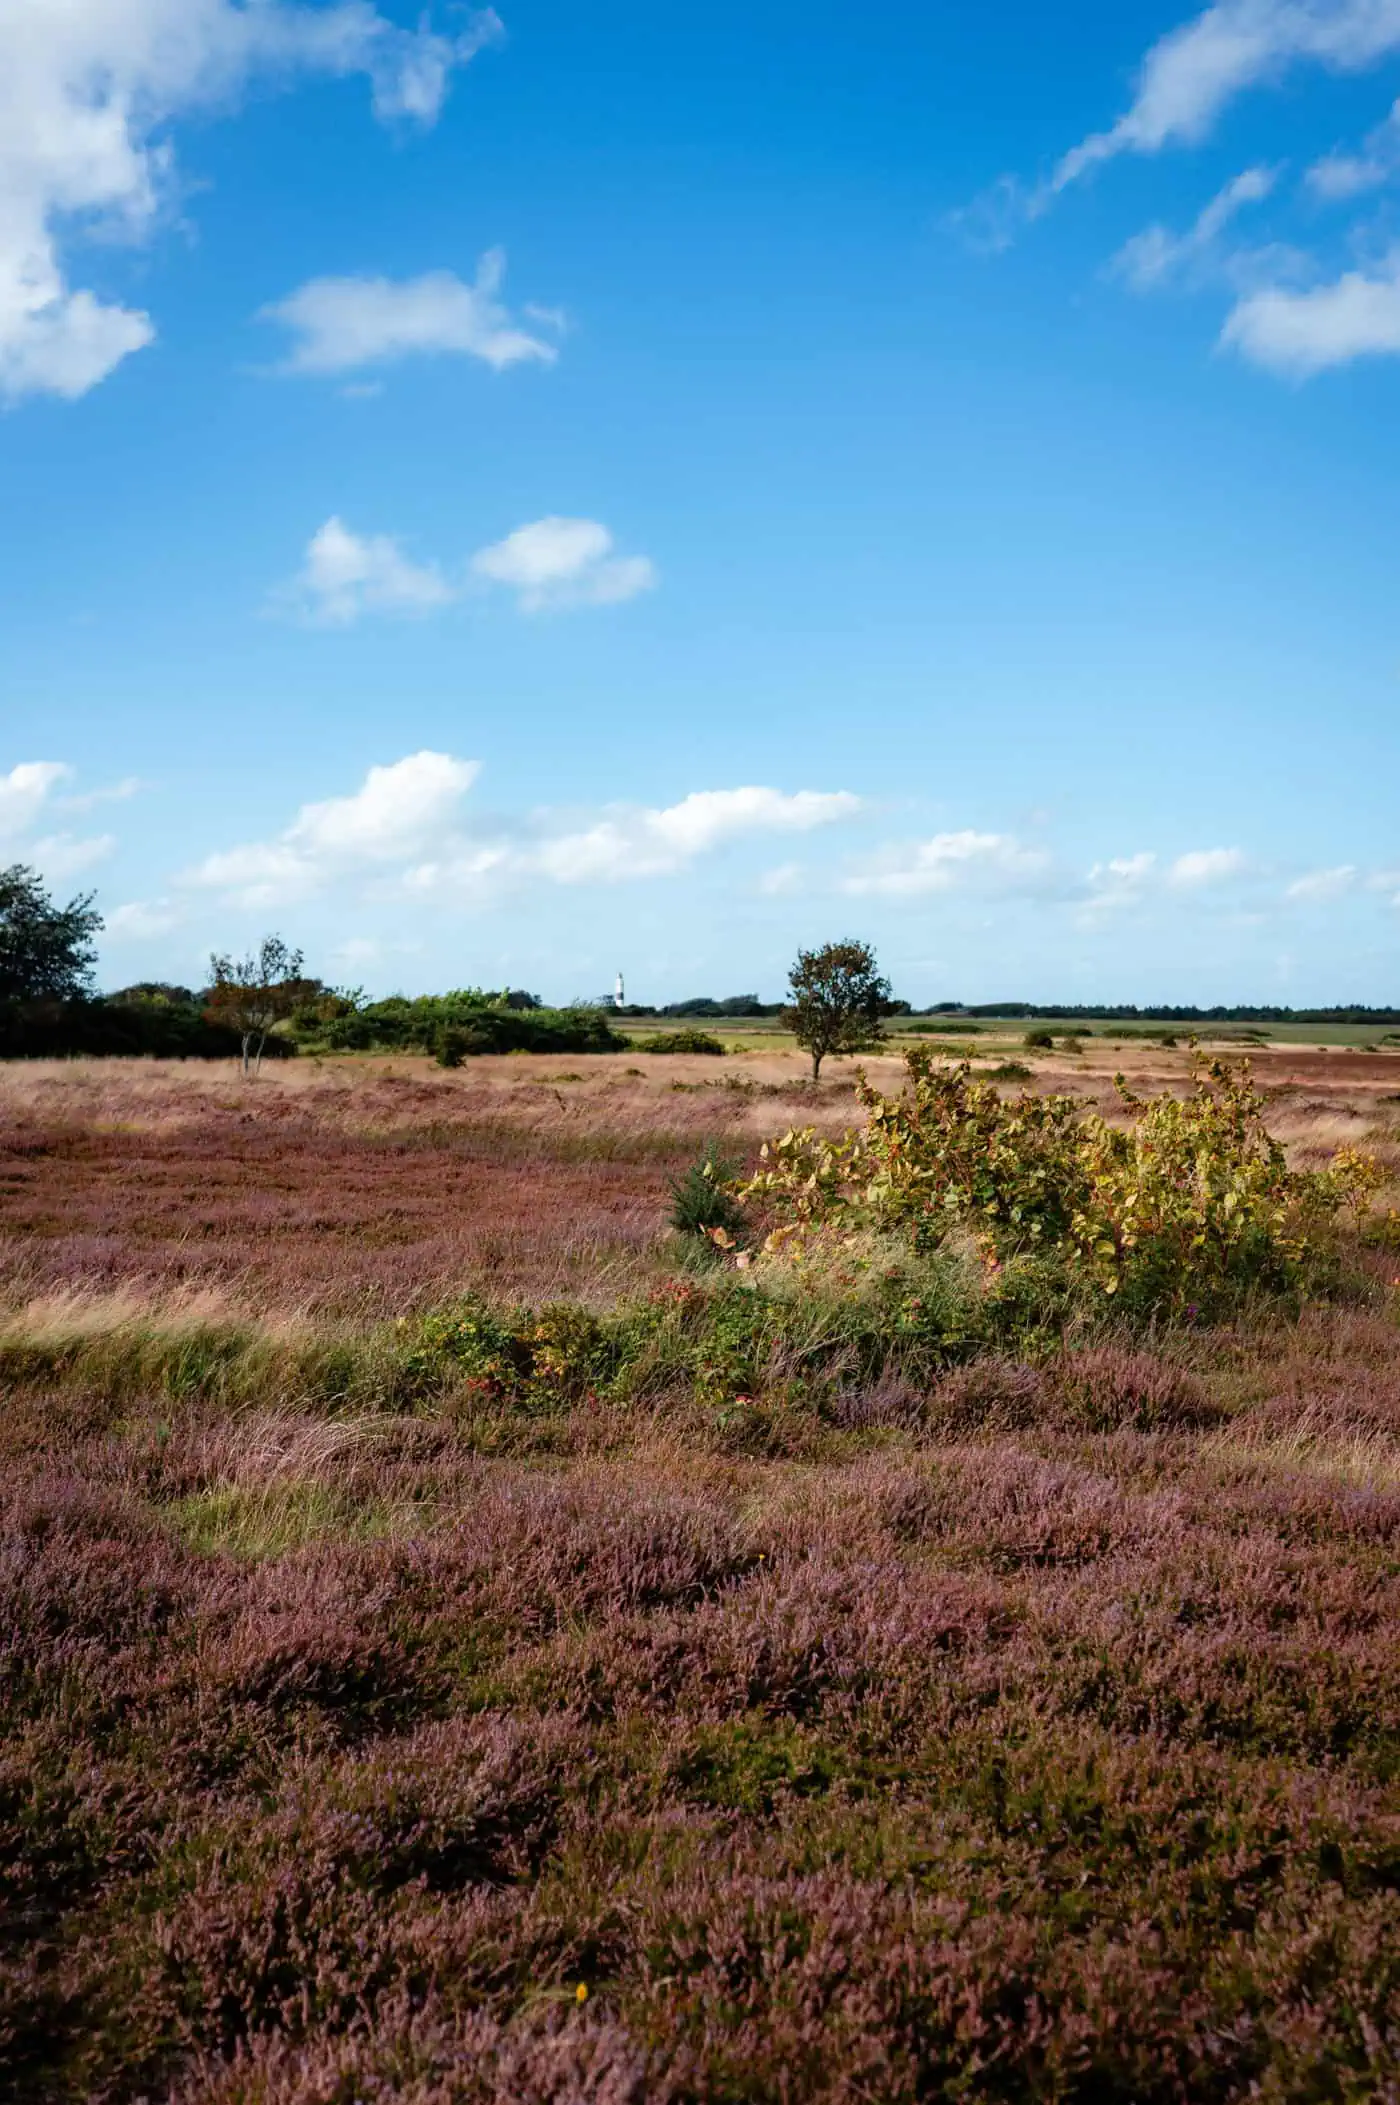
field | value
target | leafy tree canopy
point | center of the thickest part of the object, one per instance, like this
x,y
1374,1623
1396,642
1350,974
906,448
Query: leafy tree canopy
x,y
838,999
46,951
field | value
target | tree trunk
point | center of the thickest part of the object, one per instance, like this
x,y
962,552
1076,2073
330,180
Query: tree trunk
x,y
817,1059
257,1057
247,1041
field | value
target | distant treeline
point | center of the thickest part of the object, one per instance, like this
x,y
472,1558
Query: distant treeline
x,y
137,1021
1124,1013
731,1005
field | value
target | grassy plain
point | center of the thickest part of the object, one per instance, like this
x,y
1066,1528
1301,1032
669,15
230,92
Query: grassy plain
x,y
1034,1735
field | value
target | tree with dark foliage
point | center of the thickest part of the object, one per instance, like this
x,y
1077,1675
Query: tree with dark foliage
x,y
838,999
47,952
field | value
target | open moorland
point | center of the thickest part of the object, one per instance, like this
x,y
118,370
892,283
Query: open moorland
x,y
452,1650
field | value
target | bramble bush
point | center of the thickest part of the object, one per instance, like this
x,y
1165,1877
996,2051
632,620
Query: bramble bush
x,y
1191,1205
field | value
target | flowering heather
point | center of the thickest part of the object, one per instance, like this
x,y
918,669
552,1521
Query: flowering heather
x,y
1027,1732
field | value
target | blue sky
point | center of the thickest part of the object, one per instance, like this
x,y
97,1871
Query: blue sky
x,y
501,497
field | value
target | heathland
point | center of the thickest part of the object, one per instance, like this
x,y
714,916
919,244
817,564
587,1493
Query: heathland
x,y
465,1639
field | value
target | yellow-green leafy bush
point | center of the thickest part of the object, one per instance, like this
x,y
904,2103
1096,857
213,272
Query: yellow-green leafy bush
x,y
1189,1203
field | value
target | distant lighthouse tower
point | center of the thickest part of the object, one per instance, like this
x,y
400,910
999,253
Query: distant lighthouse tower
x,y
619,993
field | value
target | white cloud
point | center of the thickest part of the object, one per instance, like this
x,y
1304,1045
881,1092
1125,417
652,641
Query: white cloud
x,y
951,862
1206,866
404,829
346,575
1119,883
108,793
139,920
550,565
640,842
25,791
1299,334
399,812
564,563
1157,255
60,855
342,324
1192,74
28,795
1343,175
88,91
783,882
1323,884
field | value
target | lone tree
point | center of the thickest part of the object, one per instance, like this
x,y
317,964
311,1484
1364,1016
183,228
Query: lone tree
x,y
838,999
47,952
252,994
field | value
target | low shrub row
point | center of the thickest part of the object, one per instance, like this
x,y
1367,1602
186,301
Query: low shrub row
x,y
455,1027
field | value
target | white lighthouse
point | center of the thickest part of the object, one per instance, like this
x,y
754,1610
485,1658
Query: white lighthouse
x,y
619,993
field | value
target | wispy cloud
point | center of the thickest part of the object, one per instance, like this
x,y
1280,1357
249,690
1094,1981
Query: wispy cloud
x,y
1345,175
341,325
1322,885
1157,257
87,97
948,862
1191,76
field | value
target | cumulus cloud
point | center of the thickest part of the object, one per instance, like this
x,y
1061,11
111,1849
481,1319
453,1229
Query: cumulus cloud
x,y
1157,256
1206,866
564,563
399,811
88,91
552,564
346,575
1121,882
30,796
342,324
951,862
1190,76
1298,334
1321,885
405,829
639,842
25,791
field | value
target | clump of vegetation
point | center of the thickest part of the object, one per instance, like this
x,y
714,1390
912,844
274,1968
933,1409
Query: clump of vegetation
x,y
1189,1204
682,1042
1009,1071
471,1020
703,1201
1038,1041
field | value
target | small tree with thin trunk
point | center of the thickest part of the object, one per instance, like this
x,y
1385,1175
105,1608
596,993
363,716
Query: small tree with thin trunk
x,y
252,994
838,999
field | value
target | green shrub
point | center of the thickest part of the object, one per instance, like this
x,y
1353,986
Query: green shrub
x,y
1038,1041
1191,1206
1009,1071
681,1042
703,1201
